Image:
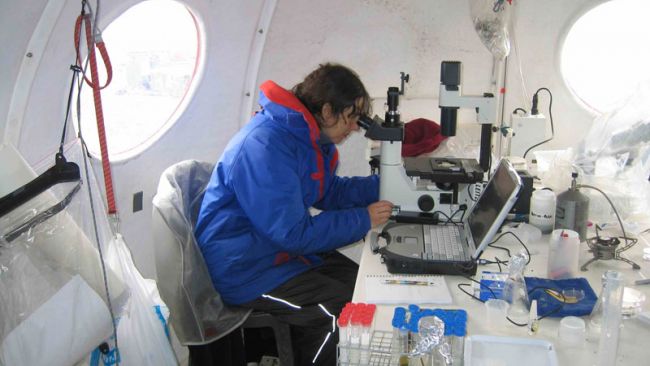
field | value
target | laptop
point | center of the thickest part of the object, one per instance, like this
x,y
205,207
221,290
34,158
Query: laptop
x,y
452,249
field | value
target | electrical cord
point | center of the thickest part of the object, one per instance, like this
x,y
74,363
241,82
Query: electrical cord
x,y
86,155
449,218
502,248
496,261
618,217
516,237
469,193
519,110
533,111
461,287
462,208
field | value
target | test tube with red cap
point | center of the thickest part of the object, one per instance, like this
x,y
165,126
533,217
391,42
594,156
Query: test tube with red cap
x,y
343,323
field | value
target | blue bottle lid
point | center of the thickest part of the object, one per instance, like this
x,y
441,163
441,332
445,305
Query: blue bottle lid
x,y
399,317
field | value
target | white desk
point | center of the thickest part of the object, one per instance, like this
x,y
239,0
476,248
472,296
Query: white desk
x,y
634,348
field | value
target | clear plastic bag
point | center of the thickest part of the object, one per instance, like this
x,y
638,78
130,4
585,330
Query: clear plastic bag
x,y
141,331
47,316
491,20
615,157
56,311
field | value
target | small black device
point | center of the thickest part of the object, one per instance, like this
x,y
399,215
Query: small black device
x,y
522,205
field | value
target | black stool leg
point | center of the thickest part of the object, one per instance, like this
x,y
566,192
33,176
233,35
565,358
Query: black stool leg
x,y
227,350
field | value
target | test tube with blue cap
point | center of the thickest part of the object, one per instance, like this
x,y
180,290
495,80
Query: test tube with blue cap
x,y
399,343
458,333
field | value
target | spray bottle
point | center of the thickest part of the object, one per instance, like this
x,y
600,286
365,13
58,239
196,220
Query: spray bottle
x,y
572,209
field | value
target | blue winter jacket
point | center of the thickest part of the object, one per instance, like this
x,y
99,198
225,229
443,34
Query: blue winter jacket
x,y
254,228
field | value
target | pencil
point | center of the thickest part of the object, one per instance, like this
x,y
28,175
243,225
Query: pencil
x,y
407,282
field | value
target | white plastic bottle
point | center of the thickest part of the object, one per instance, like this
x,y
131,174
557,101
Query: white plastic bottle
x,y
542,210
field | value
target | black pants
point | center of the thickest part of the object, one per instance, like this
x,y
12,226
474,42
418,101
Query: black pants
x,y
298,302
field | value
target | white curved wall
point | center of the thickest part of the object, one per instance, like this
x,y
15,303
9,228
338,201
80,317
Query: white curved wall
x,y
376,38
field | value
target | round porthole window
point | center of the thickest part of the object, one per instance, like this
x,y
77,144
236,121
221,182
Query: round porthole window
x,y
605,55
154,67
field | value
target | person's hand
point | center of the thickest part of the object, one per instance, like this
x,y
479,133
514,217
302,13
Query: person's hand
x,y
380,212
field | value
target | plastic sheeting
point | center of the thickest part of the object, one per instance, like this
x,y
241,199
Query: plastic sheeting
x,y
198,314
614,157
54,307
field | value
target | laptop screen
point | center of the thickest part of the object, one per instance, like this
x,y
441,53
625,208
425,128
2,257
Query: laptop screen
x,y
499,193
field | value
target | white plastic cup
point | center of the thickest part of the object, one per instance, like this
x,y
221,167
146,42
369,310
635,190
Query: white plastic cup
x,y
572,331
646,254
542,210
563,254
496,310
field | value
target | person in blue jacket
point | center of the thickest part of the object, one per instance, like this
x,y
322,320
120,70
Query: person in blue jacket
x,y
262,245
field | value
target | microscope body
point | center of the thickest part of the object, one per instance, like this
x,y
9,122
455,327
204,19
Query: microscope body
x,y
451,99
420,188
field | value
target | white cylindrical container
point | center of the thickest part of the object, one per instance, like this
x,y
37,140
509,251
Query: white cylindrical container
x,y
542,210
563,254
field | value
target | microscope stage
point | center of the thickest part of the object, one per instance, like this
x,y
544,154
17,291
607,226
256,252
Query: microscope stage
x,y
444,170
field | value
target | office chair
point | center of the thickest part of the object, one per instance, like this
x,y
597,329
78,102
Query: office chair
x,y
197,313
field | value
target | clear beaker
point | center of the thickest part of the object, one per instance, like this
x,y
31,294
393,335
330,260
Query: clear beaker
x,y
515,291
606,317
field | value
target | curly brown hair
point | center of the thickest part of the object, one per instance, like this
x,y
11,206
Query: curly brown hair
x,y
334,84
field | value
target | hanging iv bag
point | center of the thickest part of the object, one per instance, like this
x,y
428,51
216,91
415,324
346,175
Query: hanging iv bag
x,y
491,19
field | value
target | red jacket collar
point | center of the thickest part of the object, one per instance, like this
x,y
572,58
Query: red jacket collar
x,y
285,98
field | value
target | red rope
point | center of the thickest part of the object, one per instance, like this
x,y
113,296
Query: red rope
x,y
84,20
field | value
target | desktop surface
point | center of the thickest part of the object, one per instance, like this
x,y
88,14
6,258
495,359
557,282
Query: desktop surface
x,y
631,350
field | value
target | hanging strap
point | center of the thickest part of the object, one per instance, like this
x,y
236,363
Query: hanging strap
x,y
84,20
101,46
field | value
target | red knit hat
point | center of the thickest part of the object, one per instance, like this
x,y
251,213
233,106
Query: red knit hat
x,y
421,136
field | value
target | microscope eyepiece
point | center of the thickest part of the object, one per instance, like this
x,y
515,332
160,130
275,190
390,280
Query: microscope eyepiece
x,y
392,114
365,122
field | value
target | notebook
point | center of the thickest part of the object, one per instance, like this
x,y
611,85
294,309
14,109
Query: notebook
x,y
453,249
406,289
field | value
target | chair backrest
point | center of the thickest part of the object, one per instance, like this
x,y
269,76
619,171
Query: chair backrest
x,y
197,312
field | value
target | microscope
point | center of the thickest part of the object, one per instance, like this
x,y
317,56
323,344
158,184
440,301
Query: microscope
x,y
422,188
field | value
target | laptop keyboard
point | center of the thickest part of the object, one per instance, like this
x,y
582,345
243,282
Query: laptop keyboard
x,y
443,242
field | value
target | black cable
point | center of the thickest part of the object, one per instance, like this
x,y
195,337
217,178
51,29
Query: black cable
x,y
620,222
75,69
462,216
462,208
86,155
516,237
469,193
540,317
494,296
519,110
449,218
498,262
502,248
550,114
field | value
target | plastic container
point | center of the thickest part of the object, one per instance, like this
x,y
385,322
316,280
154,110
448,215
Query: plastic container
x,y
514,290
572,210
563,254
572,331
611,307
508,351
496,311
542,210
